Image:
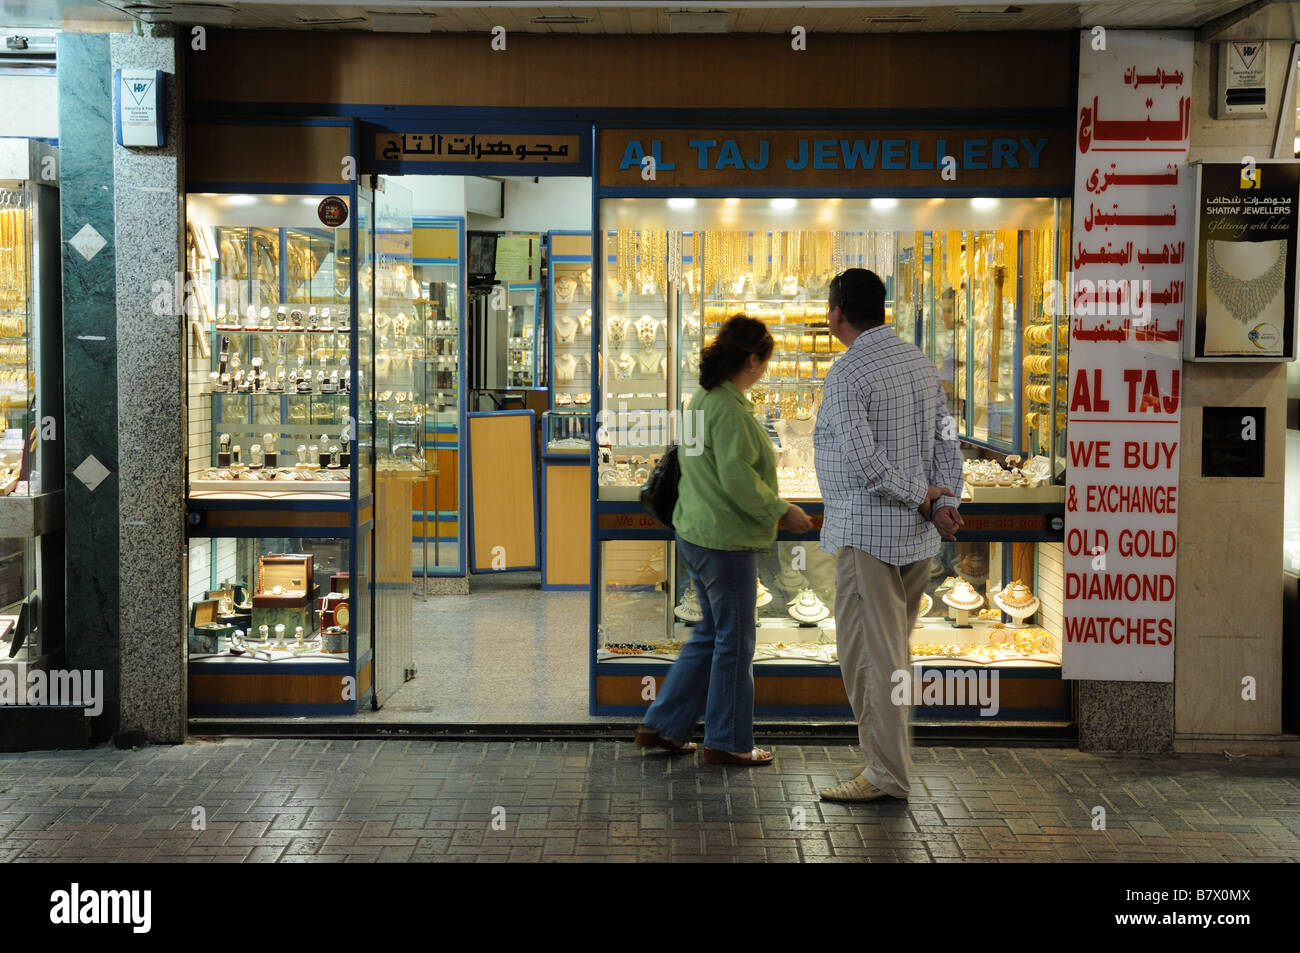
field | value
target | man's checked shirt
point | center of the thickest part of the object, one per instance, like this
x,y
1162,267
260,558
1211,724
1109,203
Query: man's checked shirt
x,y
879,444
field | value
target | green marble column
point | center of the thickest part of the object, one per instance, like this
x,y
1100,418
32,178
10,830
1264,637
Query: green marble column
x,y
90,428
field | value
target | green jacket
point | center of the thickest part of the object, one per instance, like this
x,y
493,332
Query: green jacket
x,y
727,497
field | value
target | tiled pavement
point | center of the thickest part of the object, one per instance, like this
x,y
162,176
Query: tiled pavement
x,y
365,800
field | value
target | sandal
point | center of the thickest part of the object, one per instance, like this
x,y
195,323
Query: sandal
x,y
649,738
754,759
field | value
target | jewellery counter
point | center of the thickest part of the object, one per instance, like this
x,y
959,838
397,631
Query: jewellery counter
x,y
672,275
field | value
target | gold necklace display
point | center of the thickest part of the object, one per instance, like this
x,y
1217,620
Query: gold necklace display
x,y
13,252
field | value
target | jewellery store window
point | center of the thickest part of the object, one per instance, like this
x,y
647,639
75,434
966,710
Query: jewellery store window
x,y
964,281
270,375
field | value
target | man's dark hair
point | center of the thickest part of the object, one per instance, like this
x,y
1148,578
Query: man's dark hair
x,y
860,294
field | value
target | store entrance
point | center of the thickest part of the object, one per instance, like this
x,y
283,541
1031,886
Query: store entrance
x,y
499,290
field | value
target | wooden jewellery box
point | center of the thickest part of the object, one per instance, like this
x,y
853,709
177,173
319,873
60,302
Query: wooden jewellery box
x,y
205,630
284,593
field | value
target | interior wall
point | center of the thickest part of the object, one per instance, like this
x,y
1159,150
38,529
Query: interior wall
x,y
540,204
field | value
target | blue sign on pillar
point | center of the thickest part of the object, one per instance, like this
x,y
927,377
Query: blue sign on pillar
x,y
139,107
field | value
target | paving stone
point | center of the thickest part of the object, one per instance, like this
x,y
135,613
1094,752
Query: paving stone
x,y
322,800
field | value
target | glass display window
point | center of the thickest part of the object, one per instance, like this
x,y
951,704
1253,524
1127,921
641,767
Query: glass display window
x,y
960,276
271,373
987,603
571,308
275,601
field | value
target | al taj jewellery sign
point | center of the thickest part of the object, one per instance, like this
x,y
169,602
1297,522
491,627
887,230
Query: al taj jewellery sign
x,y
475,147
686,158
1126,303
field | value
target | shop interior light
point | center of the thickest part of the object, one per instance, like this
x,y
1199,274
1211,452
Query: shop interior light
x,y
681,203
783,205
983,203
241,199
884,204
731,201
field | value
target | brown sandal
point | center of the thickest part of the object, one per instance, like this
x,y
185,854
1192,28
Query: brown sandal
x,y
754,759
649,738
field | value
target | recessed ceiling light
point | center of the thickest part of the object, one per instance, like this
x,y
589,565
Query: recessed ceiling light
x,y
783,205
682,202
983,203
884,203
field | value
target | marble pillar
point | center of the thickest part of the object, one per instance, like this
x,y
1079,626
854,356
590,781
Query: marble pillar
x,y
149,222
89,253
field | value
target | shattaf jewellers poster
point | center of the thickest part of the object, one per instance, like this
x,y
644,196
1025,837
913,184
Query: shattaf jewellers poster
x,y
1244,261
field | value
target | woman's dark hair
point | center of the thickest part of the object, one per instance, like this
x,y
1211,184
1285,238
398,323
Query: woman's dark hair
x,y
736,340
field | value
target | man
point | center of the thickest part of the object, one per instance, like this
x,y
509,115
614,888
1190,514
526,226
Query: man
x,y
885,452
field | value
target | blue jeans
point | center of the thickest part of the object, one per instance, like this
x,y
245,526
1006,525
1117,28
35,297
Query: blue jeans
x,y
714,675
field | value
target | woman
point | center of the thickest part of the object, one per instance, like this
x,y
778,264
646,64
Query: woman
x,y
727,511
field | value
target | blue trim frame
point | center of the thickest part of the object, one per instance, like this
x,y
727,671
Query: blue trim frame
x,y
469,493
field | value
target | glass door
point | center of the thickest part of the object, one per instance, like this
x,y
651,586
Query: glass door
x,y
400,392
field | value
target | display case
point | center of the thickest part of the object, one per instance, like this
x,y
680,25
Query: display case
x,y
283,441
437,256
31,411
303,638
569,280
957,274
644,293
271,364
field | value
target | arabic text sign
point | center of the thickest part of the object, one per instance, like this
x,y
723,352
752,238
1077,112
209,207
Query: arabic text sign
x,y
1126,294
475,147
1244,261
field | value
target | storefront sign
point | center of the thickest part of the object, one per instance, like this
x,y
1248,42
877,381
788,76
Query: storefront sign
x,y
1130,241
1244,261
659,158
475,147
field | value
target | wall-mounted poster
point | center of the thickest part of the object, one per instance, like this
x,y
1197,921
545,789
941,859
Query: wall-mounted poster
x,y
1244,261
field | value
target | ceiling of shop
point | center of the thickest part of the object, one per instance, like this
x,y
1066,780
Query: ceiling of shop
x,y
644,16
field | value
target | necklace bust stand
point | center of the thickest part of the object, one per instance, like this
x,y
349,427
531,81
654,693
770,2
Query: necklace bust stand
x,y
962,600
1018,602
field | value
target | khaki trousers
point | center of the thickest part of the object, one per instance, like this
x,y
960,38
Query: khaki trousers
x,y
876,606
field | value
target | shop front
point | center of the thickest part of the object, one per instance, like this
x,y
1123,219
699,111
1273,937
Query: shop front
x,y
962,209
757,221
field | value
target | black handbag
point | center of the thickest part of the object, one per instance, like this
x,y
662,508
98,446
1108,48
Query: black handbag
x,y
659,493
